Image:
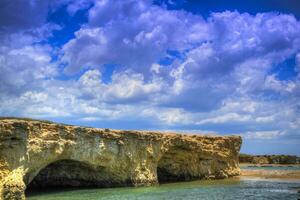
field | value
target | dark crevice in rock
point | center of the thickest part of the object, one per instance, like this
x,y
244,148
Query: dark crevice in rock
x,y
69,174
165,176
174,166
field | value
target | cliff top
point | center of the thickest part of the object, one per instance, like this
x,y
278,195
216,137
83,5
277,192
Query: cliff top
x,y
137,132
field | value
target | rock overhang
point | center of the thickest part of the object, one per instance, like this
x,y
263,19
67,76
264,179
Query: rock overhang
x,y
117,157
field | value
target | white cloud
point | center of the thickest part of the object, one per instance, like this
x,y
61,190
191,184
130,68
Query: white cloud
x,y
167,116
218,72
34,97
125,87
22,67
264,135
265,119
150,32
272,83
230,117
90,79
155,68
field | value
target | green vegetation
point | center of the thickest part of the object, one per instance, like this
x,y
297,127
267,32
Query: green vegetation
x,y
269,159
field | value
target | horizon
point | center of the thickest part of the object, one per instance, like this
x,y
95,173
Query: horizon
x,y
183,66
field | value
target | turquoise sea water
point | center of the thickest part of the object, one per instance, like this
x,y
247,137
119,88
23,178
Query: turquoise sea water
x,y
231,189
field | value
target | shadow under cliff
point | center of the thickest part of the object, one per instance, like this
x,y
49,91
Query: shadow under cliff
x,y
65,175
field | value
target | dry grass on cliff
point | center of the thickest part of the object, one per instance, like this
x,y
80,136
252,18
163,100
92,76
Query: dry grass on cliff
x,y
188,136
26,119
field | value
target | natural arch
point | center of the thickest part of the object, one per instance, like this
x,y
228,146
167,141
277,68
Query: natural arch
x,y
179,164
71,173
40,154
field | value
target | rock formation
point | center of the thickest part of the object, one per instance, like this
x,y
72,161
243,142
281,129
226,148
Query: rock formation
x,y
43,154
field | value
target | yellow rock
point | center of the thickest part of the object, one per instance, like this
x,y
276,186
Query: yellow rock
x,y
40,154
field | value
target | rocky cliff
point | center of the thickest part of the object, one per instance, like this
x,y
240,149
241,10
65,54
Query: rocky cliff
x,y
44,154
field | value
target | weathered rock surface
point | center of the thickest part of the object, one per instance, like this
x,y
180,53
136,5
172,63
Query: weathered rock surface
x,y
42,154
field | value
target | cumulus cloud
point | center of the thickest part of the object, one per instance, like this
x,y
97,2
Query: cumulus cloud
x,y
173,69
21,67
125,87
229,52
264,135
150,32
230,117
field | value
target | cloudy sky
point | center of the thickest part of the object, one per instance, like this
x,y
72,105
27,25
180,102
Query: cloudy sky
x,y
226,67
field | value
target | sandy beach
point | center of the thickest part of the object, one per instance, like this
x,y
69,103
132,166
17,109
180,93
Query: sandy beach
x,y
270,174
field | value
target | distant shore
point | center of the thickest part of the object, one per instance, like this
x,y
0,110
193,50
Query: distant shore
x,y
269,159
270,174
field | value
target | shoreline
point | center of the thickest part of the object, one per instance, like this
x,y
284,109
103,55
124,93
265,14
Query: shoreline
x,y
272,174
262,173
267,165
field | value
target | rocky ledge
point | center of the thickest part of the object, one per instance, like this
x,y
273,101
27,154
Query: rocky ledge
x,y
37,153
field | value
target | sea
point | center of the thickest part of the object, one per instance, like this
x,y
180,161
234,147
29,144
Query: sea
x,y
228,189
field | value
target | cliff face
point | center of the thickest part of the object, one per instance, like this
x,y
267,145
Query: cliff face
x,y
269,159
43,154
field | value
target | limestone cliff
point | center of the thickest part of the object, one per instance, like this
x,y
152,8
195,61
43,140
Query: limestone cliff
x,y
42,154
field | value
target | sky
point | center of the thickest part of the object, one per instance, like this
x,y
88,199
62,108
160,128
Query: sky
x,y
213,67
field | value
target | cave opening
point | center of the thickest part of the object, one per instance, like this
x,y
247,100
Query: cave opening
x,y
179,164
65,173
69,175
174,166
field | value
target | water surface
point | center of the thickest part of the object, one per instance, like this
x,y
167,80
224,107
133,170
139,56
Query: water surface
x,y
230,189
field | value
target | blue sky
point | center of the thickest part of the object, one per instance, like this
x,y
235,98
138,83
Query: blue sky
x,y
221,67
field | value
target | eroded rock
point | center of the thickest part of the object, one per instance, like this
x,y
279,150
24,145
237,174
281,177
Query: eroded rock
x,y
43,154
